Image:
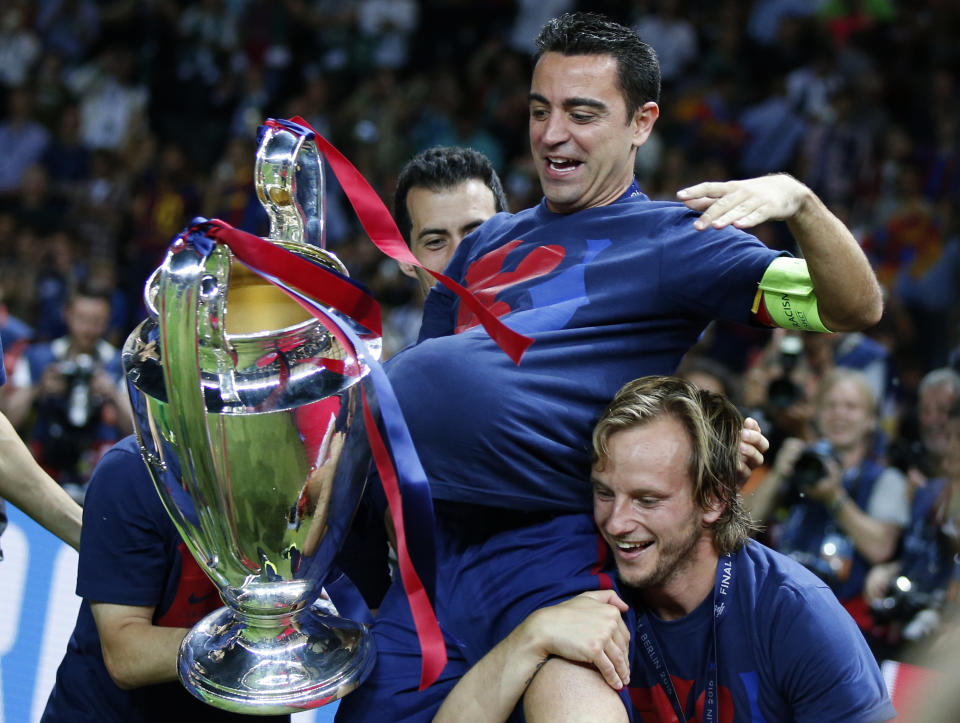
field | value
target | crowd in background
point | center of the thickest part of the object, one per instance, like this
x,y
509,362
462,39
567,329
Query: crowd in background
x,y
121,120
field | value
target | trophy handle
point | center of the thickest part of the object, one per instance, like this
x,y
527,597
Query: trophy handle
x,y
187,282
291,185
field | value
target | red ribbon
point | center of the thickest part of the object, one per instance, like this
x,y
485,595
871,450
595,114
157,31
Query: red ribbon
x,y
383,232
428,629
300,273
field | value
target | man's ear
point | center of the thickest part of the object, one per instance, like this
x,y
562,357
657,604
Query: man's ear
x,y
408,270
643,119
713,510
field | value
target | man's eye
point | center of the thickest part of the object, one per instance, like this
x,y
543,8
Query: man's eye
x,y
538,113
602,494
582,117
647,501
435,243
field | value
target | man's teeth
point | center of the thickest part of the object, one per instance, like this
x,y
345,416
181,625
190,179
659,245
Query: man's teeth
x,y
562,164
631,546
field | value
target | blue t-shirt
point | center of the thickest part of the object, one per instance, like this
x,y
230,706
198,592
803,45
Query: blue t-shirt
x,y
608,294
130,554
787,651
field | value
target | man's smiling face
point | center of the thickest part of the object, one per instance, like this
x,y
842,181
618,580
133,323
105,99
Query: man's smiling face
x,y
582,142
644,507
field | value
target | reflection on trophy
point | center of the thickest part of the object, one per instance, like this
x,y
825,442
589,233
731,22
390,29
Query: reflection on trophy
x,y
248,414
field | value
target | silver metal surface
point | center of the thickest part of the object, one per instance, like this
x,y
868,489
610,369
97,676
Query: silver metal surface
x,y
247,410
291,186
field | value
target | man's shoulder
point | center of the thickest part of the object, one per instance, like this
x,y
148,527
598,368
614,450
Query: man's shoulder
x,y
121,474
779,580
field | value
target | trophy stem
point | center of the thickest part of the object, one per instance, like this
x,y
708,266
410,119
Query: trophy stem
x,y
274,664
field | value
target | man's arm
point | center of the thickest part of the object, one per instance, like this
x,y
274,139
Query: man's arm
x,y
586,629
846,288
135,651
24,483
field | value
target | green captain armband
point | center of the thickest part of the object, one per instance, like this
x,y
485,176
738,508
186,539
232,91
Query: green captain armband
x,y
788,295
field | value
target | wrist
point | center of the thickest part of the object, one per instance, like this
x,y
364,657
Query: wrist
x,y
838,501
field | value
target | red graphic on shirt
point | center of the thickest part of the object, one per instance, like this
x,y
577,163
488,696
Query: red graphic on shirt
x,y
196,595
486,278
653,705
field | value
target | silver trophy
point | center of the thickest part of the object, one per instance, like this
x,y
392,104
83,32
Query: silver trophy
x,y
247,410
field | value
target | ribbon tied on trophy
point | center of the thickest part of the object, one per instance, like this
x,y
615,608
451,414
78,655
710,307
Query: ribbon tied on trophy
x,y
255,384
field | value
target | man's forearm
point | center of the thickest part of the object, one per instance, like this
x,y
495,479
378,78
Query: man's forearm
x,y
135,651
492,688
848,295
24,483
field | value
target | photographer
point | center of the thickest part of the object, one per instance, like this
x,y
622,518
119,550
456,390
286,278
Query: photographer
x,y
71,390
908,594
844,509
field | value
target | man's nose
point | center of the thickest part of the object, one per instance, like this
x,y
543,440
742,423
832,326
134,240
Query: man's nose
x,y
555,130
621,519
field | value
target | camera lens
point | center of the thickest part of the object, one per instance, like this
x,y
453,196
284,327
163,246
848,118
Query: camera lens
x,y
809,469
782,393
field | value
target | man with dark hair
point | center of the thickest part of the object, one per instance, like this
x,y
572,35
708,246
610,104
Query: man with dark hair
x,y
72,388
609,284
739,631
443,194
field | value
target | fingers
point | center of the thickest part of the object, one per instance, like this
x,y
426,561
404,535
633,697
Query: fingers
x,y
752,446
755,435
707,189
742,204
607,596
614,667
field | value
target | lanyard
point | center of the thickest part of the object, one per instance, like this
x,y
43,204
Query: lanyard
x,y
722,587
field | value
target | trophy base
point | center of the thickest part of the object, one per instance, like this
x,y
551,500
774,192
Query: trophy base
x,y
267,665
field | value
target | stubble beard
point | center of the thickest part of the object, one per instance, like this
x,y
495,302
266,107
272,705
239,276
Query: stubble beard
x,y
673,558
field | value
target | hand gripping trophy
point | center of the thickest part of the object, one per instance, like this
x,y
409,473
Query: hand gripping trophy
x,y
246,409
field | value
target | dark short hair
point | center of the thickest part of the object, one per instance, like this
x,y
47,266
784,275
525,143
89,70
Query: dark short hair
x,y
713,427
439,169
87,290
593,34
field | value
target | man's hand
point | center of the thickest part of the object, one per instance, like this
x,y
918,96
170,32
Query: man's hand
x,y
829,488
586,629
745,204
752,446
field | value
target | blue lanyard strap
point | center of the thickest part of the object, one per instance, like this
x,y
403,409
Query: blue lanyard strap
x,y
656,663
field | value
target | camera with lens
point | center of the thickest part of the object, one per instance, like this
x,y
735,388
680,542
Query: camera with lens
x,y
78,372
907,454
810,468
782,392
903,601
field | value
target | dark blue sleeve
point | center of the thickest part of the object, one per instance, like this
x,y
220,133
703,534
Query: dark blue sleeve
x,y
3,371
128,541
715,272
825,667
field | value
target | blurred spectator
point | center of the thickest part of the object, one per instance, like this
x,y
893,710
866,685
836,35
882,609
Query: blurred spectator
x,y
69,28
766,15
709,374
907,595
15,336
22,138
20,48
774,128
387,25
671,35
72,390
112,104
844,507
937,392
66,159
